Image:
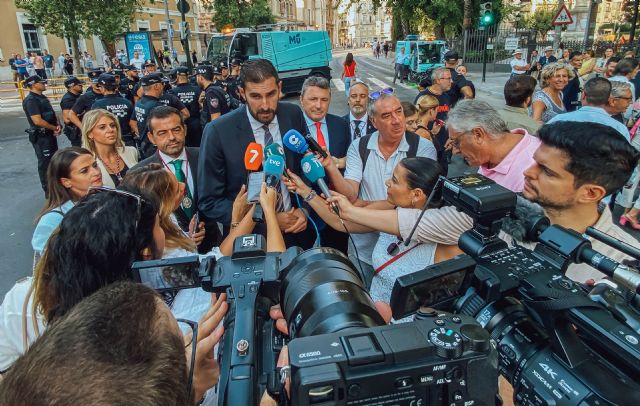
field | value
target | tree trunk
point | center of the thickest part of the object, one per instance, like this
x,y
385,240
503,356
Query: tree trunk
x,y
466,19
438,30
75,48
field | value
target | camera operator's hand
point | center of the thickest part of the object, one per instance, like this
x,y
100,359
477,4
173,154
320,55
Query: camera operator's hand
x,y
268,198
206,370
295,184
240,205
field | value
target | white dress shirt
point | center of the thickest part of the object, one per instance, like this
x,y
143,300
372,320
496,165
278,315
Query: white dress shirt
x,y
363,125
185,167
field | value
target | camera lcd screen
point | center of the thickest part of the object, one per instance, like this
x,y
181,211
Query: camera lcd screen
x,y
436,291
167,276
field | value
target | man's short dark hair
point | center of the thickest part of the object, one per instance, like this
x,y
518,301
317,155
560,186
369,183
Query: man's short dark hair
x,y
597,91
257,71
161,112
612,59
115,347
625,66
597,153
574,54
518,89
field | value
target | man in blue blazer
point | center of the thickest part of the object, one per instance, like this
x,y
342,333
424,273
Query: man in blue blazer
x,y
332,133
264,120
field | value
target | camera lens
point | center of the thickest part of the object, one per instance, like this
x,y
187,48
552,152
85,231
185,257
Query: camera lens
x,y
321,293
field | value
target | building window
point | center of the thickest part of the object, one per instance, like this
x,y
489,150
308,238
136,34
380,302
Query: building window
x,y
31,37
143,25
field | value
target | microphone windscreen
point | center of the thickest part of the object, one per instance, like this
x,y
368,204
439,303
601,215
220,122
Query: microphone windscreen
x,y
274,165
295,142
253,157
274,149
312,168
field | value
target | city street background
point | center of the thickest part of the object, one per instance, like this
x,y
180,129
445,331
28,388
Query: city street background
x,y
22,197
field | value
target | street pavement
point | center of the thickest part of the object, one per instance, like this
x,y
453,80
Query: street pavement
x,y
22,197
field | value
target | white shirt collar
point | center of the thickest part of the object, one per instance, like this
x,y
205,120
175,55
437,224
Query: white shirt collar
x,y
364,118
167,159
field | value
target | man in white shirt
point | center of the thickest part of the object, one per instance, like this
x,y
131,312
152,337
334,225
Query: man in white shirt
x,y
358,119
399,67
518,65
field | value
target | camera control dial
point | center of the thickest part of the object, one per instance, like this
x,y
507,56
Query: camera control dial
x,y
448,343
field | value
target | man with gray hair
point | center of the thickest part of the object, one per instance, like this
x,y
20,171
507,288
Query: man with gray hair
x,y
596,99
620,100
370,163
480,135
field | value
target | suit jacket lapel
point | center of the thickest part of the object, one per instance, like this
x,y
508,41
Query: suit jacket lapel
x,y
192,157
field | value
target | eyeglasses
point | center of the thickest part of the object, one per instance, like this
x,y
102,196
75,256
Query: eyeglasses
x,y
193,326
99,189
623,98
376,95
394,247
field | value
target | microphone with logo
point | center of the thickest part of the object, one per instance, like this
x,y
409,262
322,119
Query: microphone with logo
x,y
273,170
313,170
274,149
294,141
252,162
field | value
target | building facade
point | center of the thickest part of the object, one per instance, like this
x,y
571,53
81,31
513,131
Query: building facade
x,y
365,24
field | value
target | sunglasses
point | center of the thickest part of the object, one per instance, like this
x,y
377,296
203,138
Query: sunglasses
x,y
100,189
394,247
376,95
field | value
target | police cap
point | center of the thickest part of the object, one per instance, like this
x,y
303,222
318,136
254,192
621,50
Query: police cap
x,y
33,79
72,81
149,62
451,56
107,80
94,75
205,70
152,79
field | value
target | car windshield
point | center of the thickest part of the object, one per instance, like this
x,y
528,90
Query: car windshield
x,y
429,53
219,47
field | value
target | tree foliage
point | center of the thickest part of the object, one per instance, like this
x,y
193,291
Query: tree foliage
x,y
241,13
541,21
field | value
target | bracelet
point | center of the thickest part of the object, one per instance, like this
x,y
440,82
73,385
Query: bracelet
x,y
234,225
310,196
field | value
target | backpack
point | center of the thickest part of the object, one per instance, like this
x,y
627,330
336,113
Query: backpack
x,y
412,138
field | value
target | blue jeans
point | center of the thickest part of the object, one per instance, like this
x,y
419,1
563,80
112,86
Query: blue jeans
x,y
347,84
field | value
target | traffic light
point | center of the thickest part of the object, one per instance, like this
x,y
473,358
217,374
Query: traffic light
x,y
486,14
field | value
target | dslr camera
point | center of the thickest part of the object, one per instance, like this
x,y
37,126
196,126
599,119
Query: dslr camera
x,y
559,342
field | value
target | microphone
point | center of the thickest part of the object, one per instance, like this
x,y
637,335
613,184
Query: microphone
x,y
314,171
294,141
274,149
253,157
273,169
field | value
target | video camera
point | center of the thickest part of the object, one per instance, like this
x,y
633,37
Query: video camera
x,y
559,342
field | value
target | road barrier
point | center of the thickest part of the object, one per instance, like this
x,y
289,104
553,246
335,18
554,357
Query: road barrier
x,y
11,91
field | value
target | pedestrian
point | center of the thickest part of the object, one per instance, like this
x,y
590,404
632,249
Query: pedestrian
x,y
38,65
610,67
410,115
348,72
29,56
61,60
377,50
68,64
461,87
427,125
194,57
566,55
14,70
547,58
117,105
518,65
547,102
86,100
406,66
620,98
518,93
68,100
216,101
358,117
43,125
88,61
48,63
399,66
385,48
21,67
106,62
588,65
602,61
571,93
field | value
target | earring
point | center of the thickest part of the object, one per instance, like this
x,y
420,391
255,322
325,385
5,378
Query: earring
x,y
146,254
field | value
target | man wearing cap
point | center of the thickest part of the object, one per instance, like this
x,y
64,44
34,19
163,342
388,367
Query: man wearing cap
x,y
74,90
518,65
137,60
461,88
86,100
43,125
358,118
232,80
153,86
547,58
189,94
122,108
129,82
216,101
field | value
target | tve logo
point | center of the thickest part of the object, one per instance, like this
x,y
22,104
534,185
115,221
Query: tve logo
x,y
294,39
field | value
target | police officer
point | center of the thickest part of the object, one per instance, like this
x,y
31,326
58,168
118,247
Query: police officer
x,y
188,94
152,86
171,100
86,100
149,68
43,125
232,80
216,101
74,90
119,106
129,82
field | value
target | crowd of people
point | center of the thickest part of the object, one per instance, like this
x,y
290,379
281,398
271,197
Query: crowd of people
x,y
158,171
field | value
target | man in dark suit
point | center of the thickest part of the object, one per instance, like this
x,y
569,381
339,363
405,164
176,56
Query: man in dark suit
x,y
224,141
332,133
168,132
358,119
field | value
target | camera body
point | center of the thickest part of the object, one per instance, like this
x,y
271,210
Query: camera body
x,y
440,359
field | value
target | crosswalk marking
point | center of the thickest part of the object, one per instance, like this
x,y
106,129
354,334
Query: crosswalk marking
x,y
338,83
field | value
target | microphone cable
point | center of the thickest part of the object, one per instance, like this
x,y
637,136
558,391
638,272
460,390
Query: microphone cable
x,y
317,242
355,249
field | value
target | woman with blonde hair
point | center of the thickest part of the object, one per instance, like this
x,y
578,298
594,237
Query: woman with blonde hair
x,y
427,107
101,135
547,102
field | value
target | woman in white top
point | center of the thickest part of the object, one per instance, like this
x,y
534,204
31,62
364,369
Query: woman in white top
x,y
72,171
412,181
102,136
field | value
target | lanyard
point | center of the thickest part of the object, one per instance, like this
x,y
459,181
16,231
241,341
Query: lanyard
x,y
394,259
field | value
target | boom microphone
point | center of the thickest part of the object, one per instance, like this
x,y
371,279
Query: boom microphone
x,y
253,157
314,171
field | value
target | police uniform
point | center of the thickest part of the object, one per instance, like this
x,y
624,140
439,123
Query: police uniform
x,y
215,99
128,86
142,108
86,100
72,132
171,100
189,94
42,139
118,106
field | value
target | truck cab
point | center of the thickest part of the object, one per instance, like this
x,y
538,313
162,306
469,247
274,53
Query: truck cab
x,y
295,54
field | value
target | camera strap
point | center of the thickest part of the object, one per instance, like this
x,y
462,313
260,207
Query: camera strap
x,y
549,299
394,259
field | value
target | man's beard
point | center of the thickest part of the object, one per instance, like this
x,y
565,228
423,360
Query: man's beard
x,y
547,204
358,110
255,114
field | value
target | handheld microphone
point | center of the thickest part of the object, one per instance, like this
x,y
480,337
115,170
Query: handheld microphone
x,y
296,142
273,169
253,157
314,171
252,162
274,149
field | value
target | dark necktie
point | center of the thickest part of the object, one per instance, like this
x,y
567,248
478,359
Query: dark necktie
x,y
187,201
268,138
356,131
